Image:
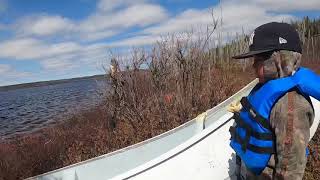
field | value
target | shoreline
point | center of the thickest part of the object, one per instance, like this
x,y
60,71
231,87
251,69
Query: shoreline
x,y
48,83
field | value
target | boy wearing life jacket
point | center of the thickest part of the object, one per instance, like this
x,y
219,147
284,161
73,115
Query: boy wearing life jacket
x,y
273,126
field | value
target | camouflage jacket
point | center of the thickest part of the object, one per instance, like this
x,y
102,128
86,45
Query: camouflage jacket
x,y
291,119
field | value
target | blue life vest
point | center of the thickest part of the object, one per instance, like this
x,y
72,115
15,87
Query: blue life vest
x,y
252,138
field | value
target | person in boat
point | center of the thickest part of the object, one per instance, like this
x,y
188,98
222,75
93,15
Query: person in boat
x,y
273,124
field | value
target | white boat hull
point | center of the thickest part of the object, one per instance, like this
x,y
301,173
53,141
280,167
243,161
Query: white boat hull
x,y
205,156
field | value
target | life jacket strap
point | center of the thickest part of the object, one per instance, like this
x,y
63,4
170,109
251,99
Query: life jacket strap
x,y
248,128
254,114
245,145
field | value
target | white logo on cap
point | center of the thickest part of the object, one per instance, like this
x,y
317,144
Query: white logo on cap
x,y
282,40
251,38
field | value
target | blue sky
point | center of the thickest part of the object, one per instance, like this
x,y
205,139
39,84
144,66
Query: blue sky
x,y
54,39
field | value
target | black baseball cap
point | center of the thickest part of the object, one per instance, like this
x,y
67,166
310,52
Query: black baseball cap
x,y
271,37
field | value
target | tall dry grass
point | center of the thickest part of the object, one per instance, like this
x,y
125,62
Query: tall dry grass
x,y
156,90
180,81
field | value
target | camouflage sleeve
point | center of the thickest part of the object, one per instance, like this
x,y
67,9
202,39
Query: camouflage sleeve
x,y
291,119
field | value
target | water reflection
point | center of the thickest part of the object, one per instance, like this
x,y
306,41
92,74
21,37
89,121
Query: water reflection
x,y
26,110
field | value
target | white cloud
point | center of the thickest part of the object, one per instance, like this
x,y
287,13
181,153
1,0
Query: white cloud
x,y
97,35
286,5
109,5
136,15
181,23
137,41
63,48
21,49
99,25
236,18
33,49
44,25
60,56
58,64
85,57
9,75
142,15
4,68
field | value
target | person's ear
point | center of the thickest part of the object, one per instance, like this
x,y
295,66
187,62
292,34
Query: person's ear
x,y
276,56
297,61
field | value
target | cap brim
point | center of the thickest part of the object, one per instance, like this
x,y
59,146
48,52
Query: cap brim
x,y
251,53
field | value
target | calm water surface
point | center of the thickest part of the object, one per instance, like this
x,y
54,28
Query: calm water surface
x,y
29,109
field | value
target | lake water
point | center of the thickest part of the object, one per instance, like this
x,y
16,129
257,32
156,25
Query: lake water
x,y
28,109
